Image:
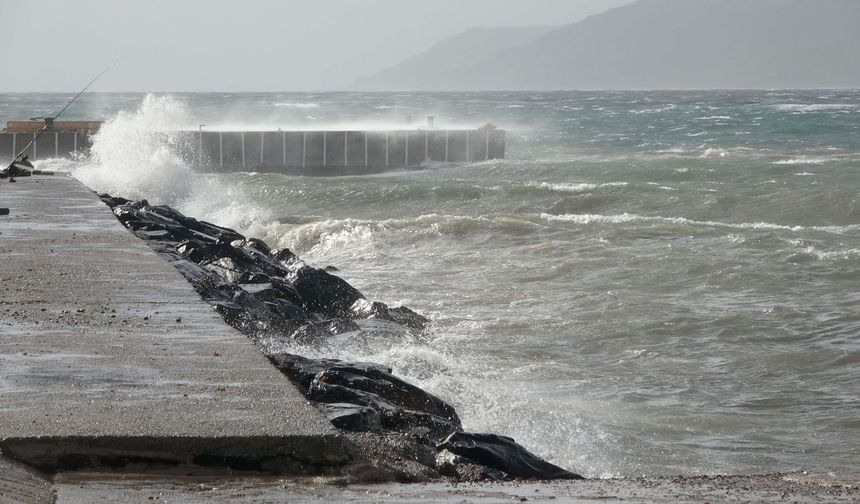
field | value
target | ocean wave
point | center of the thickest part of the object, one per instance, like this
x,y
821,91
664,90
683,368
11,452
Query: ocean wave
x,y
581,187
298,105
332,233
715,153
813,253
803,160
135,154
635,218
814,107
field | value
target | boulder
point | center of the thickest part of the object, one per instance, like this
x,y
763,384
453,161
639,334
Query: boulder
x,y
323,292
503,454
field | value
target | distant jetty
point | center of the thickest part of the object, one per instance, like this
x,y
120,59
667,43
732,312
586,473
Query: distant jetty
x,y
295,152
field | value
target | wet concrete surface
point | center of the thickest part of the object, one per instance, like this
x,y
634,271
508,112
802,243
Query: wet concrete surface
x,y
19,484
109,357
719,489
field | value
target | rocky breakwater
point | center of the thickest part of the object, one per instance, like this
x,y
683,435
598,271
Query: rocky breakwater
x,y
403,431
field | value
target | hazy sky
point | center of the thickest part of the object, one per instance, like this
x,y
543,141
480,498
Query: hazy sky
x,y
240,45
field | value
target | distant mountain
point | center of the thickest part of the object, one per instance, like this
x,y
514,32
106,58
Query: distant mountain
x,y
433,68
667,44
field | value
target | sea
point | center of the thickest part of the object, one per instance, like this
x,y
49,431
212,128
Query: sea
x,y
650,283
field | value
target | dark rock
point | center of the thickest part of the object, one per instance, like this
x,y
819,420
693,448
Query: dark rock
x,y
353,418
365,309
401,407
285,257
340,325
392,416
303,370
323,292
503,454
461,469
113,201
392,389
253,243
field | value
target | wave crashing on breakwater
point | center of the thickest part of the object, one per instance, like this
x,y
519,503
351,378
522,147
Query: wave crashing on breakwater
x,y
271,294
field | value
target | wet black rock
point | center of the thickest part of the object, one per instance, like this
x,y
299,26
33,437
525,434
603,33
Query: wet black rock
x,y
380,401
324,292
502,454
364,309
259,290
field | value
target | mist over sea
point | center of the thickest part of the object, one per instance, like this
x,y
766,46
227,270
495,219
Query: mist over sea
x,y
652,283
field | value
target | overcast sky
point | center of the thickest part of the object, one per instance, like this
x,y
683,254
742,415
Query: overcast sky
x,y
241,45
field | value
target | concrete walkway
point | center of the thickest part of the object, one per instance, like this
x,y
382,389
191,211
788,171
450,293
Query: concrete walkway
x,y
108,358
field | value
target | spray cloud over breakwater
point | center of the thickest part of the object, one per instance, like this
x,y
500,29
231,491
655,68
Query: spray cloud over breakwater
x,y
622,299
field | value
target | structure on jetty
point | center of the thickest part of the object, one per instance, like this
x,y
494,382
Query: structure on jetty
x,y
312,152
344,152
65,139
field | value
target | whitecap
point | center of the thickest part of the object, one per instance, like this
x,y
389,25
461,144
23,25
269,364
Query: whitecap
x,y
575,187
714,153
803,160
814,107
628,218
298,105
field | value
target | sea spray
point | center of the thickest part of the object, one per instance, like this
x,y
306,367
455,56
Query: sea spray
x,y
142,153
138,153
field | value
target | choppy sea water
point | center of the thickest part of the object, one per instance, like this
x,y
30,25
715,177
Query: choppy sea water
x,y
652,283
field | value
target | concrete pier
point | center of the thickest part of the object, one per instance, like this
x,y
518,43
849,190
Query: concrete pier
x,y
52,144
294,152
108,358
339,152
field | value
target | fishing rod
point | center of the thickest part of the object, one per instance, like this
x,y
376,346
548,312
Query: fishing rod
x,y
49,122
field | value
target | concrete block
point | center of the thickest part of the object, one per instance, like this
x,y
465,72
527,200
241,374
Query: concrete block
x,y
335,141
232,148
273,148
396,148
314,148
66,144
294,141
253,148
376,148
355,141
6,153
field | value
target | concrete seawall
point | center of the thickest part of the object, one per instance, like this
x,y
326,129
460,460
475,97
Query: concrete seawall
x,y
52,144
108,358
334,152
294,152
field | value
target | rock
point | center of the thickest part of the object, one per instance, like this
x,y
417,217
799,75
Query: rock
x,y
365,309
401,407
503,454
323,292
394,390
353,418
340,326
285,257
303,370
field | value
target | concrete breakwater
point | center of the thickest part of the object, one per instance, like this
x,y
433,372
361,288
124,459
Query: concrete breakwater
x,y
52,144
275,298
292,152
342,152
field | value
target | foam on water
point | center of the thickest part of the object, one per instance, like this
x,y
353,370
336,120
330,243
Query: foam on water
x,y
136,154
